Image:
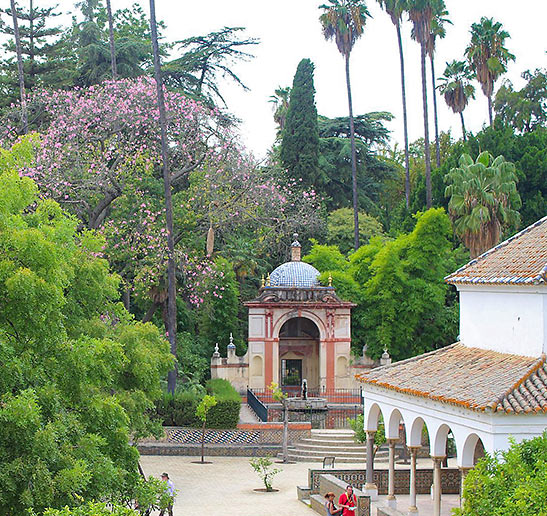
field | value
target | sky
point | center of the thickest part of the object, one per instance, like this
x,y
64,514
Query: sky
x,y
289,30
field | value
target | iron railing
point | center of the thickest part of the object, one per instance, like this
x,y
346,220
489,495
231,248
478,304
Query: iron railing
x,y
257,406
334,396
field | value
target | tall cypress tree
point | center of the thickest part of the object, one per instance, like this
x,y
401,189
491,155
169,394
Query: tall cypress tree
x,y
300,143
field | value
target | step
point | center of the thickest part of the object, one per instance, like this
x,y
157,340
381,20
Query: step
x,y
314,445
329,442
338,460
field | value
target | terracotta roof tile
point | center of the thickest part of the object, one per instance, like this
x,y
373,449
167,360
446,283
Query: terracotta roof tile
x,y
475,378
522,259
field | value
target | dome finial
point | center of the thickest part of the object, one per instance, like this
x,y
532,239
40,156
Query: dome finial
x,y
296,249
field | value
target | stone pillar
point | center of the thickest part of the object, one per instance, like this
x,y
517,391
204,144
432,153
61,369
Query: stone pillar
x,y
463,473
437,461
391,500
370,488
412,509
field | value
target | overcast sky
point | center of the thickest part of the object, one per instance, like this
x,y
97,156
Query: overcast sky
x,y
289,30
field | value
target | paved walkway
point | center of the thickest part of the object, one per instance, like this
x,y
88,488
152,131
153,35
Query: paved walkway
x,y
226,487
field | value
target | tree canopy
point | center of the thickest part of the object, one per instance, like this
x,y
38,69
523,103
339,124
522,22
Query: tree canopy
x,y
80,374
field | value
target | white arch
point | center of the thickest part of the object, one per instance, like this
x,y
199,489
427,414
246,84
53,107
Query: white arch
x,y
305,314
468,451
438,441
394,419
372,414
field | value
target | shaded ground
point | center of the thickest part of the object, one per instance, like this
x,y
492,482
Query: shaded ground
x,y
226,487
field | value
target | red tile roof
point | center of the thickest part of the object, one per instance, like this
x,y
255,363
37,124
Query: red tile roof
x,y
476,378
522,259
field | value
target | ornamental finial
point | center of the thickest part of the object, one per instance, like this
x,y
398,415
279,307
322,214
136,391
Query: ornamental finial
x,y
330,280
262,281
268,280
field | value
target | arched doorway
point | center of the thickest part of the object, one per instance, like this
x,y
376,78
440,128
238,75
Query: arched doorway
x,y
299,354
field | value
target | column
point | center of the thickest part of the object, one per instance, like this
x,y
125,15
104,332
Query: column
x,y
391,500
413,510
370,488
437,461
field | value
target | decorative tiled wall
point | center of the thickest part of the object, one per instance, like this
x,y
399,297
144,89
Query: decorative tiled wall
x,y
450,479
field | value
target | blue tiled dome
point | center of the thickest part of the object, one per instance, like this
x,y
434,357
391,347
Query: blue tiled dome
x,y
295,274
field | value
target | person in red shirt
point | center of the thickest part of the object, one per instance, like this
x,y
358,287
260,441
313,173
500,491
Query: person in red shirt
x,y
348,501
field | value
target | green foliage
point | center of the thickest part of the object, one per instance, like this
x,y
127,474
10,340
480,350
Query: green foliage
x,y
402,301
92,509
511,482
223,389
218,317
205,60
300,143
340,229
204,406
483,200
528,151
79,375
264,469
358,426
180,409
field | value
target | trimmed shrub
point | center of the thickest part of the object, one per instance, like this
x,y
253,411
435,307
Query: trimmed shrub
x,y
225,414
180,409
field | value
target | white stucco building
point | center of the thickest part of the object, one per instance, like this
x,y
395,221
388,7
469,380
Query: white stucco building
x,y
488,387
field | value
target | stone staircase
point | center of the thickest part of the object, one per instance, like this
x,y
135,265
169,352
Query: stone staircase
x,y
332,443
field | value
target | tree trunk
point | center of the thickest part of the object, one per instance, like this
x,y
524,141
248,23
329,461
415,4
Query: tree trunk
x,y
426,132
435,116
111,39
463,127
405,122
24,116
353,161
285,431
171,279
203,443
490,109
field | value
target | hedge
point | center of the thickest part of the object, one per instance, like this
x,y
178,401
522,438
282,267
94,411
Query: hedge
x,y
180,409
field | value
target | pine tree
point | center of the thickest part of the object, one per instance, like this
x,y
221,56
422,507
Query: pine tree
x,y
39,47
300,143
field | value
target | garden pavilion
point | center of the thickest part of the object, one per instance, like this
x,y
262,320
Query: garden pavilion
x,y
490,386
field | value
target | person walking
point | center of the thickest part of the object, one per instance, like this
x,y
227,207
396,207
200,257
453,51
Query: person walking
x,y
170,488
348,501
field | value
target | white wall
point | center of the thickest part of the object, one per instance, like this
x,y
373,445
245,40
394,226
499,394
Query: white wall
x,y
494,429
508,319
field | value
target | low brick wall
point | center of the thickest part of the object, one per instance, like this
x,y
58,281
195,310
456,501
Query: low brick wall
x,y
450,479
247,440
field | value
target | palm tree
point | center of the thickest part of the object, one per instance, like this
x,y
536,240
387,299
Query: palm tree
x,y
111,39
421,13
171,279
280,101
483,200
24,117
487,56
437,31
395,10
344,21
457,89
